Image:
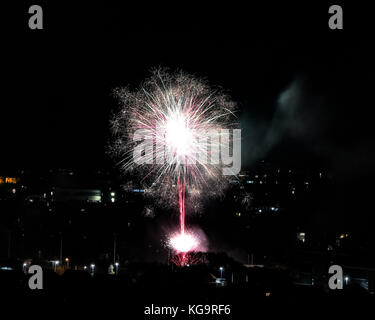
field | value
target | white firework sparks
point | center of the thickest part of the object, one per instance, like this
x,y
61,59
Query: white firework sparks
x,y
176,111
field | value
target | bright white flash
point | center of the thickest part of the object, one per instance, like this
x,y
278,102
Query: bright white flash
x,y
184,242
179,137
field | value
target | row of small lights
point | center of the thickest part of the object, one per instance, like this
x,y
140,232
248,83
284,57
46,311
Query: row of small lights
x,y
57,262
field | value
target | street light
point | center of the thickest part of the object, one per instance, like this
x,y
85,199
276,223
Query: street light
x,y
117,265
221,271
55,264
92,268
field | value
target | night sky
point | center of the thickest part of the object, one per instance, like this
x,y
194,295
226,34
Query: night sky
x,y
304,91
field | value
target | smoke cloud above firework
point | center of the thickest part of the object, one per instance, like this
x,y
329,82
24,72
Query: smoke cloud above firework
x,y
177,133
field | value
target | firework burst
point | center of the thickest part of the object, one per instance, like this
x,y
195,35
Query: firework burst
x,y
170,132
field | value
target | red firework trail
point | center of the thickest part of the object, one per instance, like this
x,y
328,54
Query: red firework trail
x,y
181,204
184,243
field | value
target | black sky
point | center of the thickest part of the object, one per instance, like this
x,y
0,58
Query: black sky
x,y
57,82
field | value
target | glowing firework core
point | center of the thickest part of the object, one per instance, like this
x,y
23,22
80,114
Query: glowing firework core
x,y
184,242
179,137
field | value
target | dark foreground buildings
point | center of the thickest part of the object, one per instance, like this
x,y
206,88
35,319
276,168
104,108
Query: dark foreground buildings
x,y
274,234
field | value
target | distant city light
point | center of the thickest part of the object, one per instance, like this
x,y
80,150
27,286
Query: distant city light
x,y
301,236
6,268
138,190
55,264
221,271
343,235
8,180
